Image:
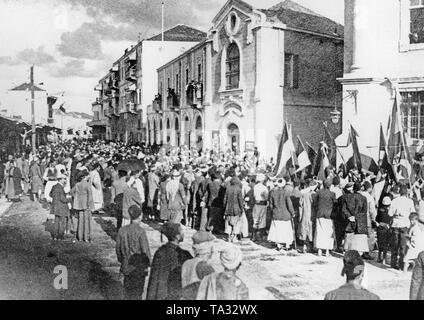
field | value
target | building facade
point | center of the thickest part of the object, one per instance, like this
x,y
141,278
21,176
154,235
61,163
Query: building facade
x,y
257,69
384,45
131,85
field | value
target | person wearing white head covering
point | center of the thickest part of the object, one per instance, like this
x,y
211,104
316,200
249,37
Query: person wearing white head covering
x,y
225,285
260,192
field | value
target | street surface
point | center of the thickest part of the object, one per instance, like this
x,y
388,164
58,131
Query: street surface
x,y
28,257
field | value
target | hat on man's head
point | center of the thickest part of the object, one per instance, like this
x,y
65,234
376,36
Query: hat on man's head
x,y
387,201
231,257
353,264
176,174
134,212
281,182
202,236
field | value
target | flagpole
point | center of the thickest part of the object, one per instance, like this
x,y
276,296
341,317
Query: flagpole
x,y
163,23
33,110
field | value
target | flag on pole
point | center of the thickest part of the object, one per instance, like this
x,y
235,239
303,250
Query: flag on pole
x,y
61,108
292,164
331,146
398,152
383,155
302,156
321,161
357,164
285,150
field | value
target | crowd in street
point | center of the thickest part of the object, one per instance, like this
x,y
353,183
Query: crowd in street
x,y
220,194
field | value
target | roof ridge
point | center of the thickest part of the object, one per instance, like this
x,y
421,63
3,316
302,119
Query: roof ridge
x,y
294,6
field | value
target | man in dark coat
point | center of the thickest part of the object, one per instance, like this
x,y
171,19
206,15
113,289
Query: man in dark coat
x,y
59,207
233,205
165,274
354,209
133,252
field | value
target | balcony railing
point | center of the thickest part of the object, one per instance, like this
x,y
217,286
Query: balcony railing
x,y
172,100
131,75
97,123
97,102
157,103
194,94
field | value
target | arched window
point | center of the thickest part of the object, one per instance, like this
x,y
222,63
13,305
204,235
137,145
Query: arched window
x,y
198,123
177,124
232,73
168,125
160,125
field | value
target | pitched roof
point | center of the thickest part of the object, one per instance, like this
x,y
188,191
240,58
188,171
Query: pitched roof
x,y
180,32
25,87
296,16
291,5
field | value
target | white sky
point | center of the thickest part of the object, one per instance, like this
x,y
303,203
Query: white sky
x,y
39,24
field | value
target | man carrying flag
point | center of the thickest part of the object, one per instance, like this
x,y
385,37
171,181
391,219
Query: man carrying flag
x,y
398,152
302,156
285,152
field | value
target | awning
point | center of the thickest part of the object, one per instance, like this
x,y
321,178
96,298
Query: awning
x,y
115,68
132,87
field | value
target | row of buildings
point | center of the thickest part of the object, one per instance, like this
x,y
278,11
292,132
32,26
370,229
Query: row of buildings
x,y
255,69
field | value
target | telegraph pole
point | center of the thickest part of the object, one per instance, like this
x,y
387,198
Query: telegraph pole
x,y
33,110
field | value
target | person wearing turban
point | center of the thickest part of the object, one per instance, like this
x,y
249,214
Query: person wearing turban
x,y
225,285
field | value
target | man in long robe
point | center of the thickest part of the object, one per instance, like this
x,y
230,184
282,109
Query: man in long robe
x,y
165,275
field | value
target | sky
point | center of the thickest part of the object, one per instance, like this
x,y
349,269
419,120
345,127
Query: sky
x,y
72,43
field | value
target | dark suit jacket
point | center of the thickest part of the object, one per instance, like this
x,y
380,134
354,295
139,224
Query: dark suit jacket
x,y
131,239
325,200
83,196
59,205
281,205
233,201
355,205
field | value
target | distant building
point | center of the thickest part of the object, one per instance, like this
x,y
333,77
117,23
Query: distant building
x,y
384,54
257,69
73,124
131,84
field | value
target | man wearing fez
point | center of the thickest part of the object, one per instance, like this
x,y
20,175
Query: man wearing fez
x,y
353,268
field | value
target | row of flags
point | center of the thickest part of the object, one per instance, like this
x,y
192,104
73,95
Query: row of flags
x,y
394,155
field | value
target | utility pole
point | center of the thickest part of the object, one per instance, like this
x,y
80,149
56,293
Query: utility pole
x,y
33,110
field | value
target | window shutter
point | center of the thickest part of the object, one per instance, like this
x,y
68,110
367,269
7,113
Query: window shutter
x,y
296,71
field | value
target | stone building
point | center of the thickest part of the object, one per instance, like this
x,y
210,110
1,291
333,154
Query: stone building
x,y
384,50
131,84
257,69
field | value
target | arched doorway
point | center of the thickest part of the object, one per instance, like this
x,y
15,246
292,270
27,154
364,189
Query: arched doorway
x,y
187,131
199,133
155,133
234,137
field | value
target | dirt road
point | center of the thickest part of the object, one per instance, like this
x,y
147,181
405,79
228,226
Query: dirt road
x,y
28,257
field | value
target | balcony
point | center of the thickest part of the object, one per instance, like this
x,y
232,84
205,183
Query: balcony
x,y
131,107
172,100
114,84
157,104
97,123
97,102
194,94
131,75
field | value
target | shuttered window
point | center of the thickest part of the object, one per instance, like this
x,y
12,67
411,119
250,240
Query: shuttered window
x,y
291,71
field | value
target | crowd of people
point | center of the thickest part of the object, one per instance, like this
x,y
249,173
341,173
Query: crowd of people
x,y
218,194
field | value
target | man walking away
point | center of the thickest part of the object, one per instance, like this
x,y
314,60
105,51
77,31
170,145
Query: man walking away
x,y
117,196
400,210
353,268
133,252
